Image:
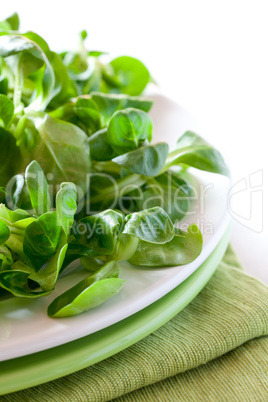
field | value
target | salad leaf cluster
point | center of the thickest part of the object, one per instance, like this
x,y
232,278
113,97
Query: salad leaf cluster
x,y
80,177
35,249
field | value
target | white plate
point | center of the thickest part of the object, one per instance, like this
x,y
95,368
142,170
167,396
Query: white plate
x,y
25,327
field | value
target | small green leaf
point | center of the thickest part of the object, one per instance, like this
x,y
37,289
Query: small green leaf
x,y
31,67
48,276
96,53
38,188
3,85
131,73
129,128
82,112
182,249
195,152
20,194
100,149
60,147
14,21
90,292
151,225
83,34
108,104
12,216
147,160
88,114
100,232
66,205
41,239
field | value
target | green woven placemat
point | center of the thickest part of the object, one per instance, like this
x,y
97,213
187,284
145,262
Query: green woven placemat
x,y
194,357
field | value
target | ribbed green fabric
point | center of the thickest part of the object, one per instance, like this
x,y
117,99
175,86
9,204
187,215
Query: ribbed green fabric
x,y
181,360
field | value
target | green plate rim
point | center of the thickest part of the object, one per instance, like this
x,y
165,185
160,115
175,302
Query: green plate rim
x,y
38,368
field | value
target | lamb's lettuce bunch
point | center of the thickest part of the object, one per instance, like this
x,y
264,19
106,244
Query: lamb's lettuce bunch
x,y
80,177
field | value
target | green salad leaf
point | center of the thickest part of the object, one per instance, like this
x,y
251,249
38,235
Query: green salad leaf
x,y
66,205
152,225
38,188
131,73
90,292
11,23
128,129
99,232
192,150
182,249
62,150
41,239
108,104
147,160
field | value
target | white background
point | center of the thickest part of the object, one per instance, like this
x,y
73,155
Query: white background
x,y
211,57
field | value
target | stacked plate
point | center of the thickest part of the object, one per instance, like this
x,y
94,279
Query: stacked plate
x,y
35,348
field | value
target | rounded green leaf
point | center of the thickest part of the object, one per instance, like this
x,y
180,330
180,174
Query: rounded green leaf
x,y
108,104
148,160
41,239
48,276
131,73
182,249
129,128
100,232
151,225
62,150
100,149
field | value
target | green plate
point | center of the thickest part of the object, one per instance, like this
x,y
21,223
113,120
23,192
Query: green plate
x,y
37,368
